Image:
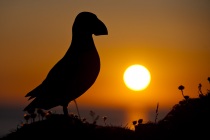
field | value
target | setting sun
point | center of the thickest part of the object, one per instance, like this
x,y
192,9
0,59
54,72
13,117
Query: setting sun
x,y
136,77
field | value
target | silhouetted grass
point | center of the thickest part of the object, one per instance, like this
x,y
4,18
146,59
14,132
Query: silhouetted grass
x,y
60,127
188,119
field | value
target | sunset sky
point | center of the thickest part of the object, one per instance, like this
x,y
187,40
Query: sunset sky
x,y
171,38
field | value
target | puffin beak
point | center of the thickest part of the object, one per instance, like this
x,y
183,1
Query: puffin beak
x,y
100,28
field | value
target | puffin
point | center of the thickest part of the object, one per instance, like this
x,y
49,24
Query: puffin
x,y
75,72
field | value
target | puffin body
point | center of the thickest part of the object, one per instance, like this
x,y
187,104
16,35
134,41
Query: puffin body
x,y
76,72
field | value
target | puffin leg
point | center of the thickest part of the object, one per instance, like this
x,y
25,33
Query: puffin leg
x,y
65,110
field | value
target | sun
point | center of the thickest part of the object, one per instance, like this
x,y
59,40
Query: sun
x,y
136,77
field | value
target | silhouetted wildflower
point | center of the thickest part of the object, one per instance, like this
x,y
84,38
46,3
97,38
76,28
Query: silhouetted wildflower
x,y
48,114
104,119
140,121
27,117
156,112
181,87
71,115
84,120
208,79
41,113
76,116
92,114
33,116
77,109
134,123
96,118
199,88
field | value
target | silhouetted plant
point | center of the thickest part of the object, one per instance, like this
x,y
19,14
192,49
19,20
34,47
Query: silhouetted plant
x,y
140,121
27,117
41,113
77,109
76,116
104,119
21,124
84,120
48,114
134,123
156,112
137,123
208,91
72,115
208,79
199,89
92,114
33,116
181,87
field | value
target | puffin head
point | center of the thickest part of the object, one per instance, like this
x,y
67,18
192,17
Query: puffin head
x,y
88,23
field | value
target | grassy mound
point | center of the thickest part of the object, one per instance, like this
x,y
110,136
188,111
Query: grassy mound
x,y
189,119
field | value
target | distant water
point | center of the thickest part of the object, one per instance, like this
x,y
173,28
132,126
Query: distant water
x,y
11,117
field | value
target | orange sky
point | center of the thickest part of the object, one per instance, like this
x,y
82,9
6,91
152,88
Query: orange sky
x,y
170,38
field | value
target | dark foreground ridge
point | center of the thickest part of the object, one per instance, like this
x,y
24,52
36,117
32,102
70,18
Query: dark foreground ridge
x,y
189,119
58,126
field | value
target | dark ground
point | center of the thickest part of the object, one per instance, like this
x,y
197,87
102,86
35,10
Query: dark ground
x,y
189,119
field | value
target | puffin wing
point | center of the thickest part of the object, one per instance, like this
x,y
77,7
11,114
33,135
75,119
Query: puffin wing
x,y
61,74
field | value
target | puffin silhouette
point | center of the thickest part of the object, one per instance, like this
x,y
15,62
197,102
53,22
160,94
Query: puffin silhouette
x,y
76,72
